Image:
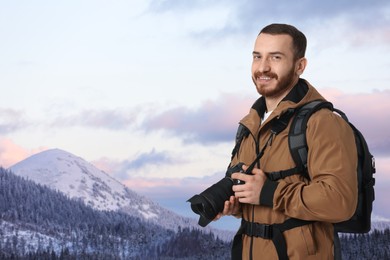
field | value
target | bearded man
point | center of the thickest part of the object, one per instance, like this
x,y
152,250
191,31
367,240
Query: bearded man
x,y
291,217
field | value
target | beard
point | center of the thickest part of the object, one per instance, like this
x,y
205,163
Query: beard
x,y
283,83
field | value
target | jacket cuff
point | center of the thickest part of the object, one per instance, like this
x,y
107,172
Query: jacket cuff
x,y
267,193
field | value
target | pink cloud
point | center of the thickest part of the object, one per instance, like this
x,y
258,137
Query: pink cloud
x,y
107,165
362,103
11,153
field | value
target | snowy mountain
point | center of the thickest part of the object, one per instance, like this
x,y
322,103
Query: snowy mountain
x,y
75,177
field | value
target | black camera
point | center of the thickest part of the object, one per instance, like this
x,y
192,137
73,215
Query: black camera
x,y
211,201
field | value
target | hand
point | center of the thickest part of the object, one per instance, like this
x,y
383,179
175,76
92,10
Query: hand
x,y
231,207
250,191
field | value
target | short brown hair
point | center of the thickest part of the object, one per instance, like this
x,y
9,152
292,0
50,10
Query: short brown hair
x,y
299,39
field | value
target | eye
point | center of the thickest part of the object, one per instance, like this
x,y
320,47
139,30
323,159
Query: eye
x,y
276,57
256,57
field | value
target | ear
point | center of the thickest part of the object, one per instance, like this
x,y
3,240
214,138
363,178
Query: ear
x,y
301,65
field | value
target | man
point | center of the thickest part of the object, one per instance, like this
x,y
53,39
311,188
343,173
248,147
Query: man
x,y
309,205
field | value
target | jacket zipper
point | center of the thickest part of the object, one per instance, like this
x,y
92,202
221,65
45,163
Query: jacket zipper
x,y
257,142
258,151
257,145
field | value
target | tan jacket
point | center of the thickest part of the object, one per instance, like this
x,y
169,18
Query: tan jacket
x,y
331,194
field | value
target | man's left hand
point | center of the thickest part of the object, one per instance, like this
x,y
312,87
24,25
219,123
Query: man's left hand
x,y
250,191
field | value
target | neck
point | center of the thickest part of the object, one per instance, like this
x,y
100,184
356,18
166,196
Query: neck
x,y
272,102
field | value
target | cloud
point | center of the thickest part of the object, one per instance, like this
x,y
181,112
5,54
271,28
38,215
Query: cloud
x,y
152,157
168,5
251,11
113,119
11,120
249,16
129,167
214,121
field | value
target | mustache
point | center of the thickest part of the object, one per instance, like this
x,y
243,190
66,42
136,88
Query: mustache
x,y
266,74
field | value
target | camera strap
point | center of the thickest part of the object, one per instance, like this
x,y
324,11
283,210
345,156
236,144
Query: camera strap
x,y
278,125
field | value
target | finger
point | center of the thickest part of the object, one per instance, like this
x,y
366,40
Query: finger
x,y
233,204
239,188
239,176
226,208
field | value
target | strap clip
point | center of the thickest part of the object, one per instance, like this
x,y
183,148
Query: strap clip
x,y
260,230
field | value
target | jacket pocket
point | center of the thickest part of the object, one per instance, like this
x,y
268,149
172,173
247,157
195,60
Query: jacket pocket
x,y
307,236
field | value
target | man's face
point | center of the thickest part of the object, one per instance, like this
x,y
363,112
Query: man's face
x,y
274,69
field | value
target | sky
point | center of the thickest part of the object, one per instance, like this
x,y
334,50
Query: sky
x,y
151,91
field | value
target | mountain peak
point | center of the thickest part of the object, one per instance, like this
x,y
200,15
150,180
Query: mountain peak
x,y
72,175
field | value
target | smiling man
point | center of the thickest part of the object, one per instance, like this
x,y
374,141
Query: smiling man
x,y
290,217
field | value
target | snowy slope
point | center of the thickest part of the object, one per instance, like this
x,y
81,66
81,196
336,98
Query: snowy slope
x,y
72,175
75,177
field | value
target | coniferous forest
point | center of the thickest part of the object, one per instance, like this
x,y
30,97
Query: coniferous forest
x,y
39,223
375,245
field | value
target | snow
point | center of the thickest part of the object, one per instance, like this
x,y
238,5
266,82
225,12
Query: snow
x,y
147,214
73,176
34,239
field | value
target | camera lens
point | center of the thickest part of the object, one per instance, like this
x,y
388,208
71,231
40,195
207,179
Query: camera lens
x,y
211,201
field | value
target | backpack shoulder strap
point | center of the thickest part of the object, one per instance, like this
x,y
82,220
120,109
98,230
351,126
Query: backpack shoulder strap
x,y
297,135
242,132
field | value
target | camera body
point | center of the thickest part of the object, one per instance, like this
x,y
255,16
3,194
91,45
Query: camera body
x,y
236,168
211,201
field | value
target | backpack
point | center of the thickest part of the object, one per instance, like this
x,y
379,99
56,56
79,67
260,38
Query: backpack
x,y
360,222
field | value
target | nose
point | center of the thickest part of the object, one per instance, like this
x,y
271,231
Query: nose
x,y
263,65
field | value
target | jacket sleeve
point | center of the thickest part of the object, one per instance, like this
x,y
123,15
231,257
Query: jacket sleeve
x,y
331,195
